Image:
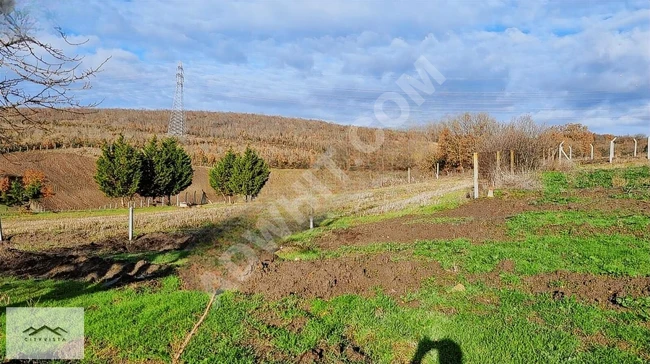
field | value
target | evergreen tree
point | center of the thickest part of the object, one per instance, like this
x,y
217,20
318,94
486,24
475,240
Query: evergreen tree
x,y
221,174
250,173
118,170
182,172
147,186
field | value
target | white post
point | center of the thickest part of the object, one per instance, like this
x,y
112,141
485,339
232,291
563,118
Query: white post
x,y
130,223
311,218
592,151
635,144
1,238
409,173
560,151
611,150
475,175
438,167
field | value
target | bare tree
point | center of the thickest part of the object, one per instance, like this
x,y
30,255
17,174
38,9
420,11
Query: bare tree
x,y
34,75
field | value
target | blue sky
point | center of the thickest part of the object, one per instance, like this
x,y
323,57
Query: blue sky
x,y
560,61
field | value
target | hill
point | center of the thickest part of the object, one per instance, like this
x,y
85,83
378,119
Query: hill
x,y
283,142
70,172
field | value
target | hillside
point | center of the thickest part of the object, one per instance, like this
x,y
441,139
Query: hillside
x,y
283,142
70,172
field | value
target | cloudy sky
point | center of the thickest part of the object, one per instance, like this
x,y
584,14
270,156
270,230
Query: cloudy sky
x,y
560,61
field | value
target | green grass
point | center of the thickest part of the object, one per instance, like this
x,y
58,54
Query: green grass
x,y
127,323
176,257
518,327
485,323
573,222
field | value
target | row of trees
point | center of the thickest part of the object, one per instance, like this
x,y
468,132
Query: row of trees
x,y
239,174
160,169
22,190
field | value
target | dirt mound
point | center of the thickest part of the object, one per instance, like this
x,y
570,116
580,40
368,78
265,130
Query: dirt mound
x,y
91,269
334,277
603,290
154,242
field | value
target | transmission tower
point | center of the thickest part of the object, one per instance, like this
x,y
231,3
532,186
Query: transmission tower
x,y
177,119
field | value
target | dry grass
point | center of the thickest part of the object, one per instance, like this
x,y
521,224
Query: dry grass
x,y
71,229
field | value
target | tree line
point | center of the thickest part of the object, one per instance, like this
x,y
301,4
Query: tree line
x,y
161,169
25,189
239,174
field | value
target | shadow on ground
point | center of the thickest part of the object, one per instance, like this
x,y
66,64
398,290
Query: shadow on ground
x,y
448,351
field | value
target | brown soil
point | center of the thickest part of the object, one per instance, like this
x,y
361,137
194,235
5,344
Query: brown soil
x,y
88,268
486,221
155,242
334,277
602,290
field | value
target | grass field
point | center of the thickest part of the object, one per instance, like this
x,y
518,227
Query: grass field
x,y
566,279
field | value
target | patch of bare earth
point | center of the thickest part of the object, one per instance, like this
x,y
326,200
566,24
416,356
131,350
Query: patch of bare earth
x,y
85,263
485,220
87,268
333,277
589,288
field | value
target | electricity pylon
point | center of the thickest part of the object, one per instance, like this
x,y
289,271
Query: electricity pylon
x,y
177,119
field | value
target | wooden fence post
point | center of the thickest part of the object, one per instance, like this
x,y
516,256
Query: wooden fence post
x,y
592,151
512,161
475,175
498,160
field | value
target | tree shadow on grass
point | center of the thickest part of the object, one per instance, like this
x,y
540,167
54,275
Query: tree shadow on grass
x,y
448,351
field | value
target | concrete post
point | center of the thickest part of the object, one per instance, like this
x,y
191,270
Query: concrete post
x,y
438,167
611,150
475,175
311,218
592,151
635,144
130,223
409,175
512,161
559,152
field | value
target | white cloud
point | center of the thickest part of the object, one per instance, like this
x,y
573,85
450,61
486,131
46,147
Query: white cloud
x,y
561,61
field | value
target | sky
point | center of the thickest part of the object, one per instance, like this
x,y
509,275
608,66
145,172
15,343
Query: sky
x,y
558,61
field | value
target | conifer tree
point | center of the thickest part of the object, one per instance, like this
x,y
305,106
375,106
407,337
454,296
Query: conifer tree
x,y
221,174
118,170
